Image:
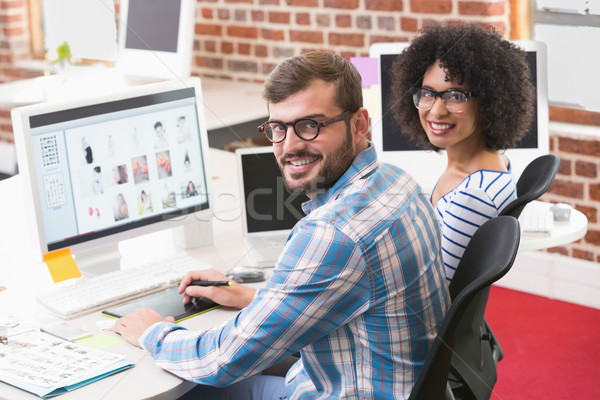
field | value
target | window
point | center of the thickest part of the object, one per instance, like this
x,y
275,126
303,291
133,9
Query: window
x,y
571,31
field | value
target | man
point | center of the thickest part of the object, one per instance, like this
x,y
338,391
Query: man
x,y
359,289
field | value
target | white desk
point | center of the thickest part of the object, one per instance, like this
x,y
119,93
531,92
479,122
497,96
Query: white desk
x,y
146,381
563,232
23,278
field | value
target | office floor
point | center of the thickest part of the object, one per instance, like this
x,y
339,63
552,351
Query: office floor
x,y
551,348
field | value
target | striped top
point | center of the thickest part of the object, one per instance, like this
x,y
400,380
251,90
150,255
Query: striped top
x,y
479,197
359,290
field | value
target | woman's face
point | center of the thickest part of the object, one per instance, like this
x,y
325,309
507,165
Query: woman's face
x,y
446,129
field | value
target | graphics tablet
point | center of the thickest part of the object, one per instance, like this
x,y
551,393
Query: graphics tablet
x,y
167,303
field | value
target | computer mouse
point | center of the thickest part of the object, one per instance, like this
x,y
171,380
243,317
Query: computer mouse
x,y
246,274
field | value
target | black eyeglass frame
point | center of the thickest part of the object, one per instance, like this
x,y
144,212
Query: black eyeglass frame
x,y
319,125
415,91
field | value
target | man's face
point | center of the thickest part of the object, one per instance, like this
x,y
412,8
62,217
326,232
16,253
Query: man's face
x,y
309,166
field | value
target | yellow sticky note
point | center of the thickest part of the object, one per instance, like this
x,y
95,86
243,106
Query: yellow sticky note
x,y
61,265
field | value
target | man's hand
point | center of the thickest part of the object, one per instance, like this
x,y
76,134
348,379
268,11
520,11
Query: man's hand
x,y
236,295
132,325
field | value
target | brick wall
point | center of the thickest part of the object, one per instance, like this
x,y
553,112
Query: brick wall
x,y
578,183
244,39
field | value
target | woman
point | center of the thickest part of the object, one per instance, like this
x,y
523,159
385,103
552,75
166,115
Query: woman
x,y
468,91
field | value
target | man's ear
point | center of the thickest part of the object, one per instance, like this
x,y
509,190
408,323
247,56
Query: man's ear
x,y
362,129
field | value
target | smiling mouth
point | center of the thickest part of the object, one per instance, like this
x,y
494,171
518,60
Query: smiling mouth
x,y
440,127
298,163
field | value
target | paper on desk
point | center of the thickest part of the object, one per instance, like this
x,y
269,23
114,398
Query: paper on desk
x,y
61,265
47,366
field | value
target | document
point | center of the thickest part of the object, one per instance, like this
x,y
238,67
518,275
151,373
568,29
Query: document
x,y
48,366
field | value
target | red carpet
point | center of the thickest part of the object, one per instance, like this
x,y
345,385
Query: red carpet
x,y
551,348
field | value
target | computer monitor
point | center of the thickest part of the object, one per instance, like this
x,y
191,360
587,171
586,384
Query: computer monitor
x,y
427,166
156,38
105,168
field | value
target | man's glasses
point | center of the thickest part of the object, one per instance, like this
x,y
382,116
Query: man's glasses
x,y
305,128
454,99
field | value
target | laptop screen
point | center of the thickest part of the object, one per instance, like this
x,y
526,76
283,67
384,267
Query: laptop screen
x,y
267,204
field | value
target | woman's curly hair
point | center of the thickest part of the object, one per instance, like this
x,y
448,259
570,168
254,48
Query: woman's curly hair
x,y
495,69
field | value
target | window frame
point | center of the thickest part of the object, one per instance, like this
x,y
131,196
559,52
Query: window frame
x,y
524,15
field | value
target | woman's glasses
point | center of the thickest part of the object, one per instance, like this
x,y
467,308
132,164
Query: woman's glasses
x,y
454,99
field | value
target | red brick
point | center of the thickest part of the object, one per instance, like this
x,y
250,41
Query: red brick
x,y
346,4
586,169
239,1
565,167
272,34
480,8
279,17
363,22
207,13
243,32
385,39
559,250
583,254
223,14
242,66
431,6
208,29
209,62
306,36
258,16
244,49
594,190
593,237
240,15
261,50
303,18
579,146
591,213
347,39
409,24
566,188
323,20
211,46
383,5
227,47
343,21
302,3
269,2
387,23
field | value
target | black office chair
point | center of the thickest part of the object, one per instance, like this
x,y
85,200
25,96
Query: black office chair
x,y
477,351
533,183
488,256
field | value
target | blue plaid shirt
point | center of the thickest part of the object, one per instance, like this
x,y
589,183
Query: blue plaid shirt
x,y
359,290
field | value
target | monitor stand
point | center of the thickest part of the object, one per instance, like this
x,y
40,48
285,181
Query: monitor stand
x,y
99,260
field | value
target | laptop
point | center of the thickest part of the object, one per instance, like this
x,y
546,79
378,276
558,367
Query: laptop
x,y
269,212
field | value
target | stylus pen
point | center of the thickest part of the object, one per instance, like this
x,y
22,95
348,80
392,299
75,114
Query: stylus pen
x,y
211,283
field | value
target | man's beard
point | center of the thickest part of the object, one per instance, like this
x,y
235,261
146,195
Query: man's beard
x,y
330,172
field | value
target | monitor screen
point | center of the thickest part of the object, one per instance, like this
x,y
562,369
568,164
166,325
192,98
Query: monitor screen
x,y
110,167
156,38
394,147
268,206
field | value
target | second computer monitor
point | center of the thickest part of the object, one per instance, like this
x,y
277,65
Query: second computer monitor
x,y
427,166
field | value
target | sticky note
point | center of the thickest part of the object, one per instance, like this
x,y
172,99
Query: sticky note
x,y
61,265
100,342
367,67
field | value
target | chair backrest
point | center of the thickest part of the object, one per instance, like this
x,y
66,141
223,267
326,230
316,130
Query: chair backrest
x,y
535,180
488,256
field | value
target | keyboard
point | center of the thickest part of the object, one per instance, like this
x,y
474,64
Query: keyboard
x,y
537,220
97,293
